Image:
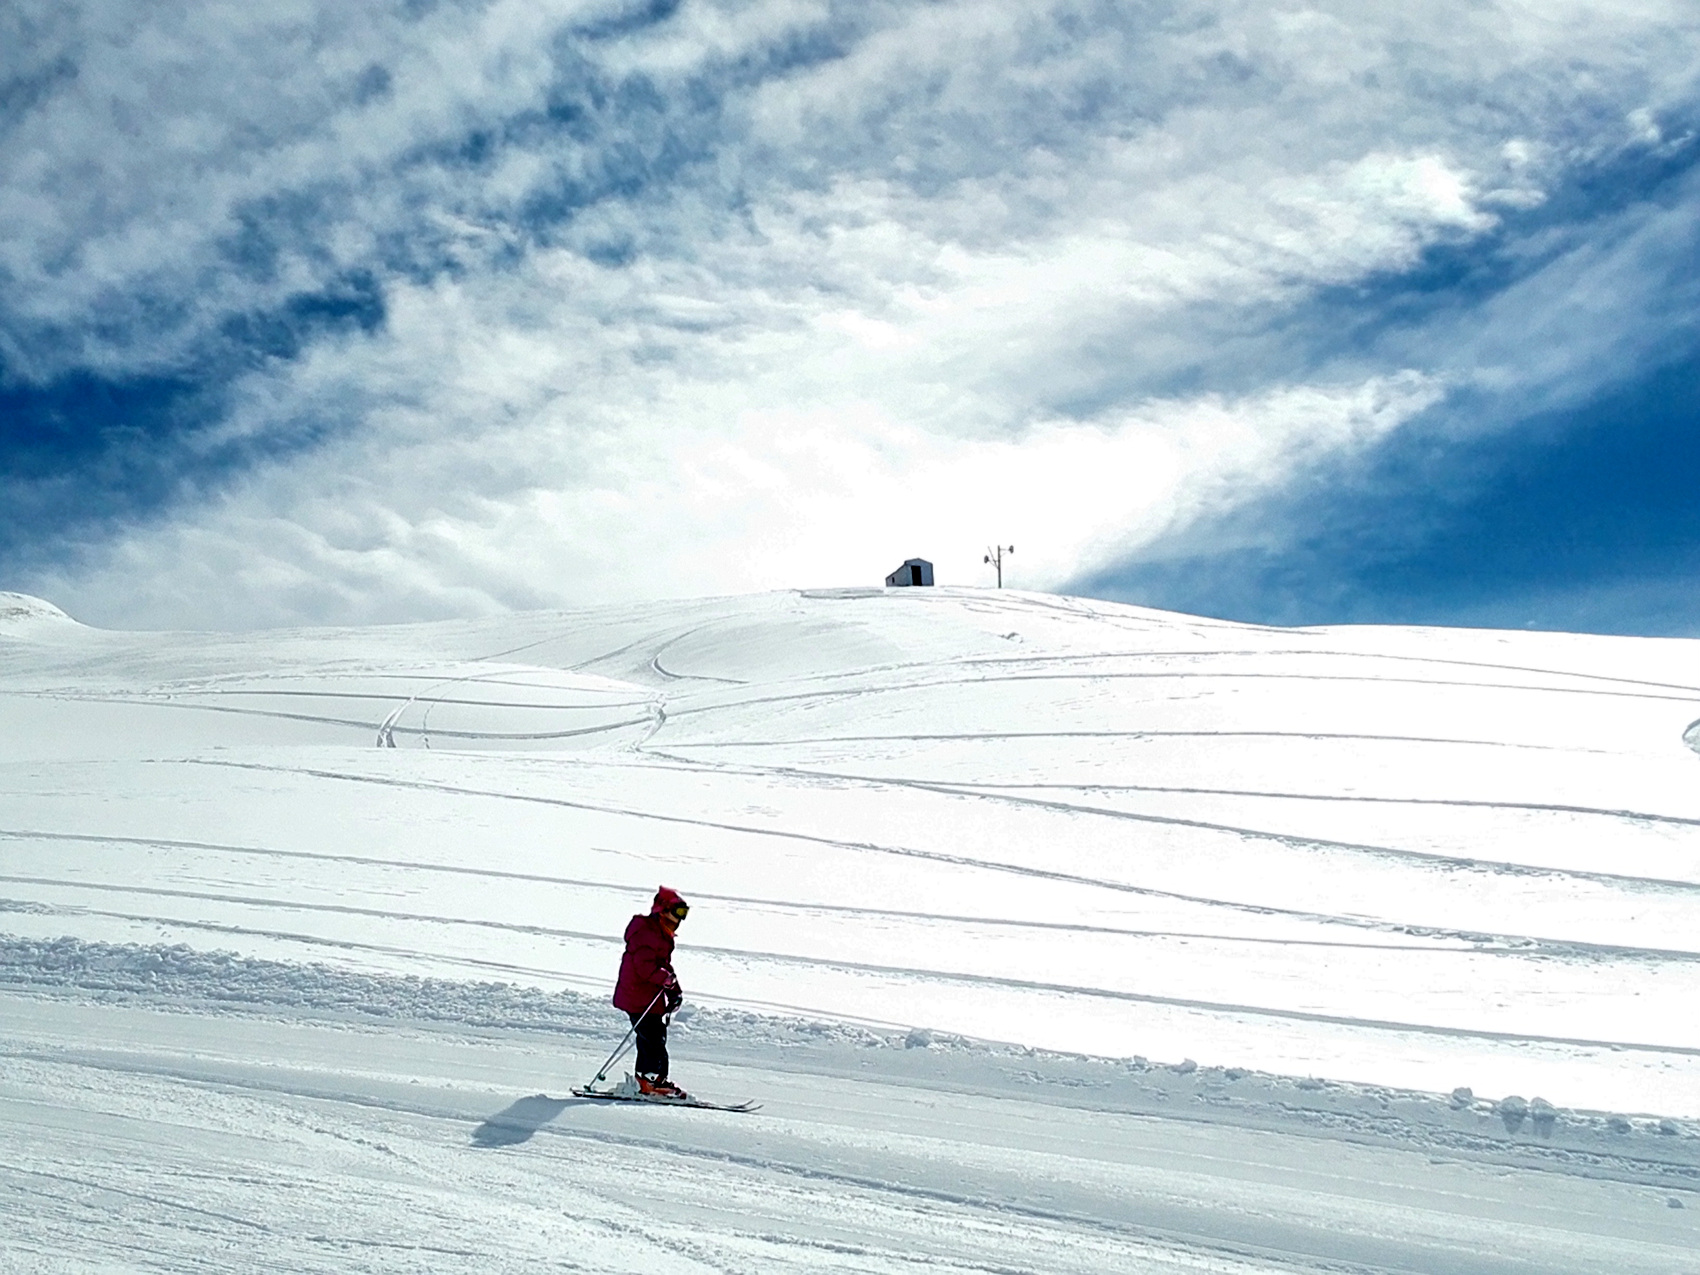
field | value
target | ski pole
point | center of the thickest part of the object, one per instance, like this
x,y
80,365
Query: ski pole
x,y
621,1047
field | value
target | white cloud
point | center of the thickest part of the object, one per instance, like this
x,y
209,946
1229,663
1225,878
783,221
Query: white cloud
x,y
543,465
786,498
963,273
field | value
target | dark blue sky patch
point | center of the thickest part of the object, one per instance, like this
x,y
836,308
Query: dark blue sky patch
x,y
1459,302
85,452
796,50
57,428
644,13
1603,493
353,303
19,94
372,84
1408,315
638,145
89,451
1528,527
289,226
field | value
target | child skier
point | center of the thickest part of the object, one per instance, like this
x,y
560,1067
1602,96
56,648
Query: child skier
x,y
649,991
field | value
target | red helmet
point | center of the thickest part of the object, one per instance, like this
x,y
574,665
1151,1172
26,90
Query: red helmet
x,y
671,901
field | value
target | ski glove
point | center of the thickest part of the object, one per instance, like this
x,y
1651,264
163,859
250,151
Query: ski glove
x,y
675,995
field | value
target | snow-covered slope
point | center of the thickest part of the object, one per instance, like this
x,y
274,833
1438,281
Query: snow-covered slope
x,y
22,617
1360,859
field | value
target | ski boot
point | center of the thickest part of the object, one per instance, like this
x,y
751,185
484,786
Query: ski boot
x,y
659,1087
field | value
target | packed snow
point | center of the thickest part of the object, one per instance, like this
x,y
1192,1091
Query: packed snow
x,y
1051,934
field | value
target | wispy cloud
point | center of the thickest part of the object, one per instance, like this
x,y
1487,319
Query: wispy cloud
x,y
506,304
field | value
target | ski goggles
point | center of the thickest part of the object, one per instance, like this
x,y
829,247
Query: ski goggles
x,y
679,911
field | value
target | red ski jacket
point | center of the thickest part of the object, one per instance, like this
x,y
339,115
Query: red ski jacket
x,y
647,966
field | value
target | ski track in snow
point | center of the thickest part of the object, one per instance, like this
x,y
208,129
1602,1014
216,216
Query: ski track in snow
x,y
997,793
1517,944
1377,863
929,974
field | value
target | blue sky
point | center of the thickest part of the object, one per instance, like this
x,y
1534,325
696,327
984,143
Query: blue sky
x,y
1287,313
1566,503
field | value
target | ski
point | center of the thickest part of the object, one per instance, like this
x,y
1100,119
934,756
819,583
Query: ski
x,y
615,1095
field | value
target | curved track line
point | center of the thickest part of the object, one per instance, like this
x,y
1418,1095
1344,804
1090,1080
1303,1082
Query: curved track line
x,y
1496,944
1076,609
1306,652
298,905
432,699
866,847
386,729
386,732
1293,841
1514,944
1120,887
239,682
566,632
436,731
514,927
898,971
896,688
1541,807
655,661
1144,627
978,736
135,702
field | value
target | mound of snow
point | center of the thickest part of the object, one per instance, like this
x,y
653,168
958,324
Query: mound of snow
x,y
24,616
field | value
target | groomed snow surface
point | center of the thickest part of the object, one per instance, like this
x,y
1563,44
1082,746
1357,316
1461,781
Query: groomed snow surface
x,y
1053,935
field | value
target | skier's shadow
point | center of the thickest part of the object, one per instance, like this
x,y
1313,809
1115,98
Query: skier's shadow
x,y
522,1118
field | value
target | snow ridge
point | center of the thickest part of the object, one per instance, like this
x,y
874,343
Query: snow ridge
x,y
211,980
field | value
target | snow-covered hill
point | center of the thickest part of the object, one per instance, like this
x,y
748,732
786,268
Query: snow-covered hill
x,y
1275,885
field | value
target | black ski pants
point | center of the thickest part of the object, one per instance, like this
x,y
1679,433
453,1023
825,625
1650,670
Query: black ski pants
x,y
651,1044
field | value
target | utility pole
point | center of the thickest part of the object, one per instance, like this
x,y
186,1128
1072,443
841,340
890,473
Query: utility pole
x,y
994,557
